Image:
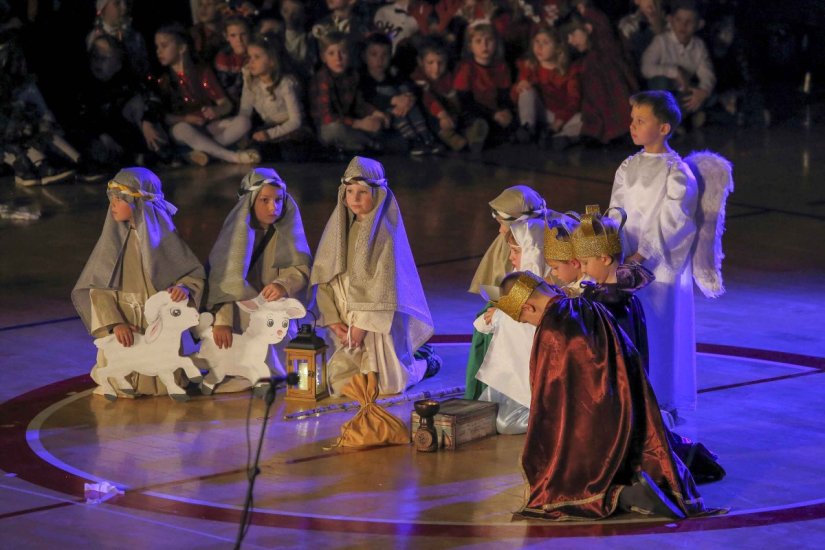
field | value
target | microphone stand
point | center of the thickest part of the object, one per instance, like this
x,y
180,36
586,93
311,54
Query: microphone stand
x,y
246,515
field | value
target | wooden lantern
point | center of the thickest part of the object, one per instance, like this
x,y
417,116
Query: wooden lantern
x,y
306,355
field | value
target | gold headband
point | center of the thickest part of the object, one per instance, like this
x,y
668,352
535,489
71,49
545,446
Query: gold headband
x,y
512,302
123,190
594,238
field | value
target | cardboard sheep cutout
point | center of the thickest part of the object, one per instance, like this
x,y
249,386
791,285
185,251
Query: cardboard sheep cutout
x,y
268,325
155,353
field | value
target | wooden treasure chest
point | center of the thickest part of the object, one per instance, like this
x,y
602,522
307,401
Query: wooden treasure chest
x,y
459,421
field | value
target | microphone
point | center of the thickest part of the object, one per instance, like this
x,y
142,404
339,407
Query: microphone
x,y
291,379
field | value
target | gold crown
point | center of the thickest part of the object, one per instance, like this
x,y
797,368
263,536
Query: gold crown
x,y
593,237
511,303
557,244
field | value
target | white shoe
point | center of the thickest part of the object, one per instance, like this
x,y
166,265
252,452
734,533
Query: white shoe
x,y
249,156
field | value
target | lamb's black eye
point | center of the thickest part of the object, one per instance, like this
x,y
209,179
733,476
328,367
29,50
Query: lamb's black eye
x,y
285,324
175,312
270,323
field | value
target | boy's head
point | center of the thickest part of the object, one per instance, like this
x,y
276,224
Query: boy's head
x,y
597,244
558,251
684,19
377,53
362,180
105,58
111,12
269,204
577,30
236,32
334,49
524,297
482,43
339,5
654,116
293,13
207,11
433,59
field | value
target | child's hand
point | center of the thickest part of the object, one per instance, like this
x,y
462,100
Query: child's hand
x,y
402,104
488,315
260,136
273,291
503,118
370,124
209,113
178,293
124,333
340,331
445,121
222,335
557,125
694,99
357,336
154,139
522,86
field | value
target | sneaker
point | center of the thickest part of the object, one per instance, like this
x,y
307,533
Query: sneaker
x,y
198,158
249,156
24,172
477,134
417,148
453,139
434,361
52,174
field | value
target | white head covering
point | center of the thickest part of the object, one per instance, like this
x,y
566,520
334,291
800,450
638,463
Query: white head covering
x,y
383,276
166,257
231,256
529,234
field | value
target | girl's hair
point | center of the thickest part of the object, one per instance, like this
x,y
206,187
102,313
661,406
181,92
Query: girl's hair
x,y
178,33
511,239
560,55
273,49
481,27
236,20
574,21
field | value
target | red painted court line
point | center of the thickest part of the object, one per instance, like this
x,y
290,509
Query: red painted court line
x,y
19,458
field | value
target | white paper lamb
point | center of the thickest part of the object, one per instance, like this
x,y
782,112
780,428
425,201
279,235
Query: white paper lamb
x,y
268,324
155,353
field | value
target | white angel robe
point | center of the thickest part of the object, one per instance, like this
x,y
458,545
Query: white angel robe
x,y
660,195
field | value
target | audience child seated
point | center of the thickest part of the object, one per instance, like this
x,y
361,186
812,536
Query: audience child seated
x,y
194,104
342,117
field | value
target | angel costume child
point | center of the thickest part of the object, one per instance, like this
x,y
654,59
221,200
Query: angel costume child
x,y
517,203
368,290
506,366
138,254
262,248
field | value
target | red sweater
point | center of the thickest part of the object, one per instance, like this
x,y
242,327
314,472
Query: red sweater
x,y
560,93
485,83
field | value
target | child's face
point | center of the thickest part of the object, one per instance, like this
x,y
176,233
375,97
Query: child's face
x,y
269,205
259,62
579,39
207,11
336,5
168,50
645,128
596,267
684,24
544,48
292,13
113,12
359,199
434,65
483,47
336,58
238,37
565,271
515,256
104,62
121,210
377,58
647,7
